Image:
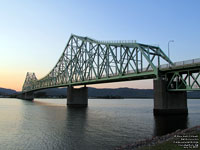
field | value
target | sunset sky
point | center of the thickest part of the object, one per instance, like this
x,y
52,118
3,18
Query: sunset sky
x,y
33,34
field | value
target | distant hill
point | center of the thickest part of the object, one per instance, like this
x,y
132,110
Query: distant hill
x,y
103,93
112,93
54,92
121,92
193,94
4,91
100,93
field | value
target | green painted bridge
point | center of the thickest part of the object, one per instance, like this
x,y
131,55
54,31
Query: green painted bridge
x,y
88,61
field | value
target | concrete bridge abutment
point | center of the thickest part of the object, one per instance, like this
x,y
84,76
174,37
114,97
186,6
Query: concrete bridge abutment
x,y
77,97
168,102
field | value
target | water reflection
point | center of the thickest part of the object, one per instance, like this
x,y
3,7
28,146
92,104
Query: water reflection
x,y
49,124
75,132
167,124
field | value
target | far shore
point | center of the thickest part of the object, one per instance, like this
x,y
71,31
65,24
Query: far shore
x,y
104,97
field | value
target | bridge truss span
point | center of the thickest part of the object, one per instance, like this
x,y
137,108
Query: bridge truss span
x,y
183,80
88,61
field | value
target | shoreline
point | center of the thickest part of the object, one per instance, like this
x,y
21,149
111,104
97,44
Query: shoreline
x,y
154,141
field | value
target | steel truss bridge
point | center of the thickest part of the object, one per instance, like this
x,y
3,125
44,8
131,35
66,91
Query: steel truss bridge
x,y
89,61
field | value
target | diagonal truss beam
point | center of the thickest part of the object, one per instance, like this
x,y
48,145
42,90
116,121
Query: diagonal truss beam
x,y
184,80
88,61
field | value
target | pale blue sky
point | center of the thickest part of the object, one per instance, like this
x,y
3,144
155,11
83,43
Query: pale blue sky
x,y
33,33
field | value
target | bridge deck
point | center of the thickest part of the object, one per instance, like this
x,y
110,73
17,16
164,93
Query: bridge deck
x,y
181,65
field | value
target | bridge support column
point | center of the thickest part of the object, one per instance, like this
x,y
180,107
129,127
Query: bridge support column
x,y
27,96
77,97
168,102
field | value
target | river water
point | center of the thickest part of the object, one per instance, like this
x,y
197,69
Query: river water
x,y
48,124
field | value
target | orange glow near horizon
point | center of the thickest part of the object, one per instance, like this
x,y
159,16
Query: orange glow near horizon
x,y
12,81
34,35
15,80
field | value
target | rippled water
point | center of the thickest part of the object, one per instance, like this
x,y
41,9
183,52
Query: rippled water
x,y
104,124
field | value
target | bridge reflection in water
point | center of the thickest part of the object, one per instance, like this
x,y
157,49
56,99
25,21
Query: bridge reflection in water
x,y
169,123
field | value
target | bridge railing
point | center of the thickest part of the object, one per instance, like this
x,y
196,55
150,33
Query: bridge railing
x,y
181,63
118,41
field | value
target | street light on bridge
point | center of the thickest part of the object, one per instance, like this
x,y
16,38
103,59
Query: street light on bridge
x,y
168,47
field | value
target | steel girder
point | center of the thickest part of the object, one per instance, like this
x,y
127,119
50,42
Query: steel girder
x,y
88,61
184,80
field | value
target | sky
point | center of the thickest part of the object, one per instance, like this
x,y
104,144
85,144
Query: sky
x,y
34,33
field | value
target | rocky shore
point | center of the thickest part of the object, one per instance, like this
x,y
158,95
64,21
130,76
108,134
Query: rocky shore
x,y
159,139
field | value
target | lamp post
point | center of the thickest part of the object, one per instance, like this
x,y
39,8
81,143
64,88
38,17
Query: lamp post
x,y
168,47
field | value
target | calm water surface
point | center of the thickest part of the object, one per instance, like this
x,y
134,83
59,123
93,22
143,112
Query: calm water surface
x,y
104,124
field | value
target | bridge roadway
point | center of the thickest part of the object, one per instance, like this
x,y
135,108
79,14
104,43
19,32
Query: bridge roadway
x,y
88,61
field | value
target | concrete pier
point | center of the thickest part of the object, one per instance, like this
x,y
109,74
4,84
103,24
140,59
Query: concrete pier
x,y
168,102
77,97
26,96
